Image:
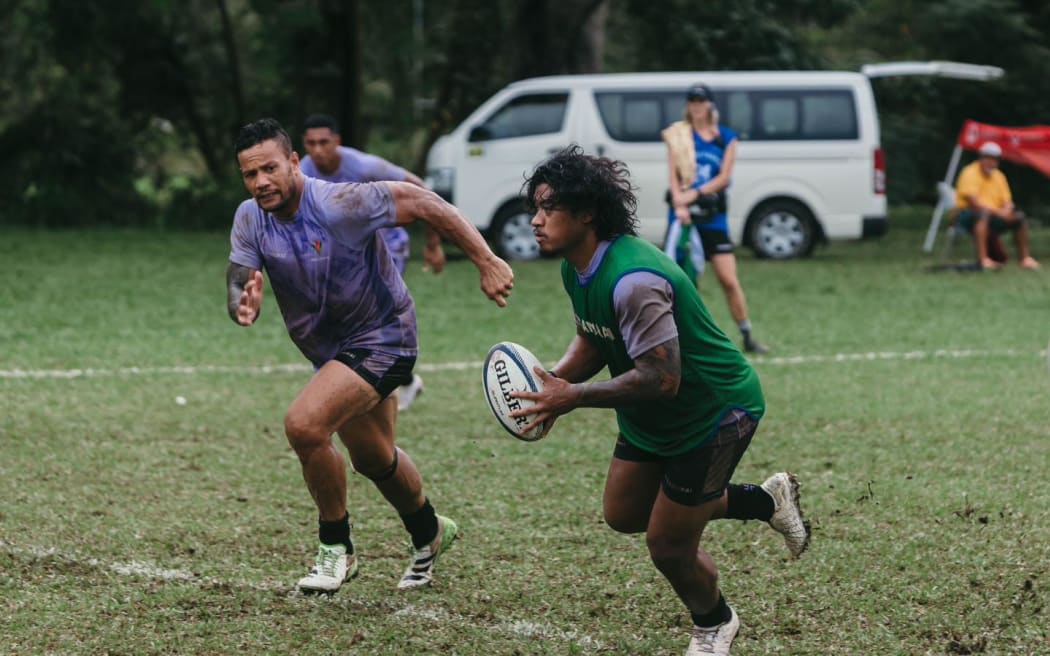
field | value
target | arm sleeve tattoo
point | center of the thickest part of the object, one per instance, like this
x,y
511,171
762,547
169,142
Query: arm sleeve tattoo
x,y
656,374
236,277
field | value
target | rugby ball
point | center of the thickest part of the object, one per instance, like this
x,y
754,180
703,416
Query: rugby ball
x,y
508,368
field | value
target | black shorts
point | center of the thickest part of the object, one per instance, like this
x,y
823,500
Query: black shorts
x,y
716,242
382,371
996,226
702,474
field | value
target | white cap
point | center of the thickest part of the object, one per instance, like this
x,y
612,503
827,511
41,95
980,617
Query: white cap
x,y
990,149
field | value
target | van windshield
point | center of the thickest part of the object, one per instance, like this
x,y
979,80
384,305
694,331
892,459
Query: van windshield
x,y
523,116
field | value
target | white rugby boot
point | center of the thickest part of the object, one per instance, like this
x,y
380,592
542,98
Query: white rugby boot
x,y
331,569
714,640
787,516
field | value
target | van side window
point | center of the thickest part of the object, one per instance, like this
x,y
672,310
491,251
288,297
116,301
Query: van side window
x,y
523,116
738,113
802,114
773,115
778,117
638,116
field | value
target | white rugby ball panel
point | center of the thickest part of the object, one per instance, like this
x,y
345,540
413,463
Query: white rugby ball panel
x,y
508,367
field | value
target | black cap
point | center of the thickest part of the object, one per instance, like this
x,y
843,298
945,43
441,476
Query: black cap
x,y
699,91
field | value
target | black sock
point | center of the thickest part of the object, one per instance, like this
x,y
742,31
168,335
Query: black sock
x,y
337,532
720,613
749,501
422,525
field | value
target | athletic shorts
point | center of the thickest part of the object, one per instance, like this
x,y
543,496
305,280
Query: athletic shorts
x,y
996,226
702,474
716,242
382,371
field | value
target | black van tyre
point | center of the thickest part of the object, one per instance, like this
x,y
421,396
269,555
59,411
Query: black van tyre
x,y
782,230
511,234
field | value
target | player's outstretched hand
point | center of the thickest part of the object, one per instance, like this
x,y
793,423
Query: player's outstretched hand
x,y
497,280
251,299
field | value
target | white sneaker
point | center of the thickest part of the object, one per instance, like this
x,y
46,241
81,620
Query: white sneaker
x,y
406,394
787,516
332,568
420,571
715,640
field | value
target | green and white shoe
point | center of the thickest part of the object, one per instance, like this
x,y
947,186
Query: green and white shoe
x,y
420,571
331,569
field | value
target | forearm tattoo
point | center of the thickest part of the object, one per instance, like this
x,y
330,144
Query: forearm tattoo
x,y
660,368
236,277
656,374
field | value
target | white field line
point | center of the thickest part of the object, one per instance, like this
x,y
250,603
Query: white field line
x,y
189,370
517,628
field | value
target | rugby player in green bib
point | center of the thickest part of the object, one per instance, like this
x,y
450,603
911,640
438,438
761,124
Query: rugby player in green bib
x,y
687,401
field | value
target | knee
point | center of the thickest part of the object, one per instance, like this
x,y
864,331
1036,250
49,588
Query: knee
x,y
623,523
728,280
670,556
303,435
730,285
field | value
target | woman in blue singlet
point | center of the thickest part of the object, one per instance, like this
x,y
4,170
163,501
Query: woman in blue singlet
x,y
700,157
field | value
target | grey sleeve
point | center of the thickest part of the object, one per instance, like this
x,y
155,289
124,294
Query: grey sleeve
x,y
643,302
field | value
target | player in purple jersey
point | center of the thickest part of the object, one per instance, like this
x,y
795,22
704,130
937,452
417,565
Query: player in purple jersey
x,y
328,159
349,312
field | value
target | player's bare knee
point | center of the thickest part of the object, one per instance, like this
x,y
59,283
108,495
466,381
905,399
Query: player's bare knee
x,y
304,436
730,285
670,556
623,523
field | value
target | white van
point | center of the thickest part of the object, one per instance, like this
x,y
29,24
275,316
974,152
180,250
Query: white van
x,y
809,165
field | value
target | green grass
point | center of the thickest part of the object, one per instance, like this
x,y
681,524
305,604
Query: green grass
x,y
130,524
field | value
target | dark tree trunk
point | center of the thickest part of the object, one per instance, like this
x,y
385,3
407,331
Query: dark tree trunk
x,y
233,62
343,18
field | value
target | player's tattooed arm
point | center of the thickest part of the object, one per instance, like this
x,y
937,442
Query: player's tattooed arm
x,y
656,375
243,294
581,361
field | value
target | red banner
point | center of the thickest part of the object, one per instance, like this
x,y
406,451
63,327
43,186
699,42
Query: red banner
x,y
1028,145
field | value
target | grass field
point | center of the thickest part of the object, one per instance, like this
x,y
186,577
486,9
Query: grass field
x,y
913,406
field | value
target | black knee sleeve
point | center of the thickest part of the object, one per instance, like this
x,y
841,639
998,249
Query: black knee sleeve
x,y
387,473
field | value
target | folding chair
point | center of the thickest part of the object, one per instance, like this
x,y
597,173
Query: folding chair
x,y
953,231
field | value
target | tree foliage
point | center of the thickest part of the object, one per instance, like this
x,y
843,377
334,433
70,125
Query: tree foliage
x,y
123,112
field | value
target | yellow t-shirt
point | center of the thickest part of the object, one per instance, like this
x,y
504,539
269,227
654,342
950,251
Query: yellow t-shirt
x,y
991,190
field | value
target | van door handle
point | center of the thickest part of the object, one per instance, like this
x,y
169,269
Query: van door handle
x,y
599,149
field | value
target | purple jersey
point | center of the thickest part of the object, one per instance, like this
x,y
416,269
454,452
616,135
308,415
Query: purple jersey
x,y
357,166
333,279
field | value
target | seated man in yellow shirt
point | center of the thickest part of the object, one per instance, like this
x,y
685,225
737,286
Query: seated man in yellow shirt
x,y
986,209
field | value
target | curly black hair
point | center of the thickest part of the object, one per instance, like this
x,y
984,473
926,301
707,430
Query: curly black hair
x,y
584,183
262,130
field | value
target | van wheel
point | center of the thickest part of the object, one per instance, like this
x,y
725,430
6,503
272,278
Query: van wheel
x,y
781,230
511,233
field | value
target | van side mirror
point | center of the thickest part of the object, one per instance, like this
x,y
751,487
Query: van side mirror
x,y
479,133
